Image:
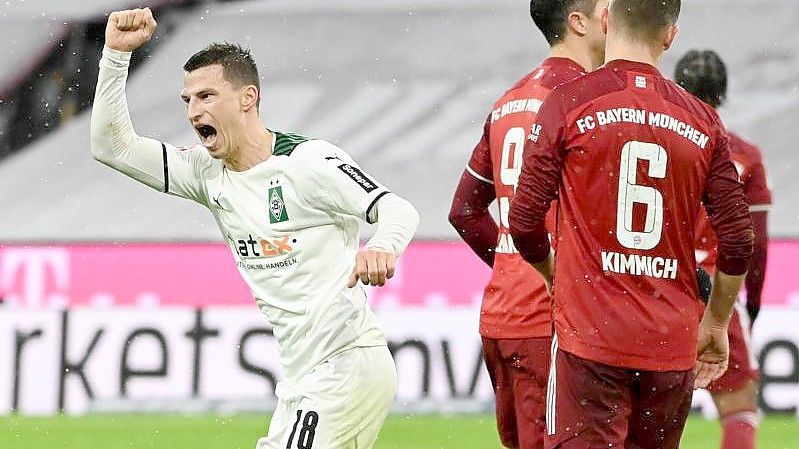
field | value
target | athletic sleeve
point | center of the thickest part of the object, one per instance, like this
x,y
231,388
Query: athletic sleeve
x,y
397,221
758,193
539,182
727,209
756,187
337,182
480,165
115,143
469,215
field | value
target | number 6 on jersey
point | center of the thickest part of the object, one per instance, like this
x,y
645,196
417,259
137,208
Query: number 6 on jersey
x,y
630,193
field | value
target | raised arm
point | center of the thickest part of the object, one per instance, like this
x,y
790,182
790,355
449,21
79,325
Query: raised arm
x,y
113,139
114,142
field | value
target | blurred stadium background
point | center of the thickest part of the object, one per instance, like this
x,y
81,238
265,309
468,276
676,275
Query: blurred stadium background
x,y
117,299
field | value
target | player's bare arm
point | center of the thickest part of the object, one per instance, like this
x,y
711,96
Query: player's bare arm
x,y
712,345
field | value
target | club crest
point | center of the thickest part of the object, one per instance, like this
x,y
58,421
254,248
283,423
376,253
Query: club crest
x,y
277,207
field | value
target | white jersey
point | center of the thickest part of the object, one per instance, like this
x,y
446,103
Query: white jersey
x,y
292,223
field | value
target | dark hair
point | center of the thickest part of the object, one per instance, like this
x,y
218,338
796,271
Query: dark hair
x,y
702,73
551,16
645,19
237,63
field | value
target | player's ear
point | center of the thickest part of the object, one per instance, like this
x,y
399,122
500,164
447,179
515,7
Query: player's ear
x,y
578,22
249,97
605,20
669,36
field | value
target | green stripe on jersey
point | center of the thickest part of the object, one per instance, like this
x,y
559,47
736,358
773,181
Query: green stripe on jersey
x,y
286,142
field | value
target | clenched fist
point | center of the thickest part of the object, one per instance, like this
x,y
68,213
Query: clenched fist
x,y
373,267
130,29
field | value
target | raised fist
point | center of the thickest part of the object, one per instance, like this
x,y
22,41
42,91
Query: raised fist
x,y
130,29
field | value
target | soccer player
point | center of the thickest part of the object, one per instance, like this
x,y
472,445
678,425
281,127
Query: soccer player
x,y
702,73
633,156
516,315
289,207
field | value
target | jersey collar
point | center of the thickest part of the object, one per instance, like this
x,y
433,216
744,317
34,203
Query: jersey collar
x,y
557,61
623,64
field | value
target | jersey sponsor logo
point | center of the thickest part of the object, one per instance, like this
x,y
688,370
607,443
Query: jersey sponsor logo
x,y
266,265
639,265
358,176
277,207
265,247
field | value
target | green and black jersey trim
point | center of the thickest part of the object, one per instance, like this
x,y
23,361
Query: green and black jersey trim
x,y
285,143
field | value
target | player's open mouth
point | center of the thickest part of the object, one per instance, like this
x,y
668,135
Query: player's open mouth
x,y
207,134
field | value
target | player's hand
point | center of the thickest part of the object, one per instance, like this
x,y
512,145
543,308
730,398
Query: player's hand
x,y
713,353
373,266
130,29
547,268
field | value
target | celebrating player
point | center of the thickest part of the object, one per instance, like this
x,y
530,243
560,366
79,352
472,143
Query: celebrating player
x,y
702,73
516,315
633,157
288,206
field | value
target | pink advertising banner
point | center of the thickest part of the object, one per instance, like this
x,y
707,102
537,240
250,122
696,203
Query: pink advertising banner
x,y
430,274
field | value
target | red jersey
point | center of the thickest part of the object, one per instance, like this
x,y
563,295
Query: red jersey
x,y
634,156
751,171
515,302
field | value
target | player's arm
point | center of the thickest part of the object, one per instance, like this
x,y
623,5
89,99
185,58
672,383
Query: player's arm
x,y
756,276
114,141
759,197
396,220
729,216
538,187
469,213
341,187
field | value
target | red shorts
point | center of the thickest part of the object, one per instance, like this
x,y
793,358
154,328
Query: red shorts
x,y
592,405
742,366
518,369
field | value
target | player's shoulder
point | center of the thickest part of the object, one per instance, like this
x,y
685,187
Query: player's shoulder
x,y
308,152
576,92
676,94
516,90
744,147
287,143
550,74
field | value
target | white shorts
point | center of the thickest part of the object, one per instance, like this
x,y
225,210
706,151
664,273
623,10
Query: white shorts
x,y
341,404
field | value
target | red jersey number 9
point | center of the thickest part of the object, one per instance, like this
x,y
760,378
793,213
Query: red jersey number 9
x,y
510,168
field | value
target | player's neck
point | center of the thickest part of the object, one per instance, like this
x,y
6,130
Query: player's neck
x,y
574,51
253,146
632,51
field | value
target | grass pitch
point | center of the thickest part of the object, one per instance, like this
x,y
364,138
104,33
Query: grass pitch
x,y
241,432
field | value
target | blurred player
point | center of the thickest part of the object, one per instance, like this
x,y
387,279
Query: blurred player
x,y
288,206
633,156
516,315
703,74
